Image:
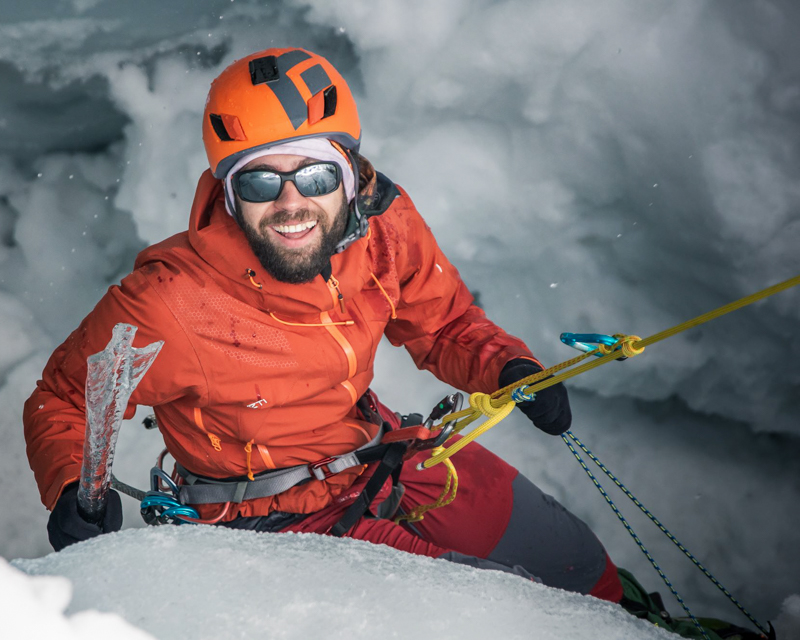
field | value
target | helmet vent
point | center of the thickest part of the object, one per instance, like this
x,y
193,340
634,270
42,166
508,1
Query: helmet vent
x,y
322,105
264,70
219,127
227,127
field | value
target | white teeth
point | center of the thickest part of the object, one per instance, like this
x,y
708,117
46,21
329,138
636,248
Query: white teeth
x,y
295,228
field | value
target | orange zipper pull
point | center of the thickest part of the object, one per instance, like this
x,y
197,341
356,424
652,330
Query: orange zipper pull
x,y
249,273
333,282
215,442
249,450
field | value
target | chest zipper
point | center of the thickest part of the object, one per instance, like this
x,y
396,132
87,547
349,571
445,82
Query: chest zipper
x,y
333,284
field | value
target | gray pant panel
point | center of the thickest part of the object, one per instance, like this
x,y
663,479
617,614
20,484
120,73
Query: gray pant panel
x,y
549,542
480,563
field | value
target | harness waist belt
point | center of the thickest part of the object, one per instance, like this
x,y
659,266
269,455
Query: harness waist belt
x,y
198,490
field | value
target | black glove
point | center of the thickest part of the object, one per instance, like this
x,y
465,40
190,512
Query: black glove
x,y
550,410
66,526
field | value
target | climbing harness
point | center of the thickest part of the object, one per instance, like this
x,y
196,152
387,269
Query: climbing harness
x,y
168,500
401,444
197,489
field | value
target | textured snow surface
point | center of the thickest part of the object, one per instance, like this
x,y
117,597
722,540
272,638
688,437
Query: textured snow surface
x,y
186,582
606,167
33,609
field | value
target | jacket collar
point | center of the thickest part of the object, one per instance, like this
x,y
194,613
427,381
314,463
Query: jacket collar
x,y
217,239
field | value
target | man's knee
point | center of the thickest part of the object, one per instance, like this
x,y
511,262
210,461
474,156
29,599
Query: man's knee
x,y
550,542
609,586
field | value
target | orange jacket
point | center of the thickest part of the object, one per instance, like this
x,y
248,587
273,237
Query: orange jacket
x,y
250,378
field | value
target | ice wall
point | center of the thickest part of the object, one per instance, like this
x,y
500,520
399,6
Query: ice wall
x,y
616,166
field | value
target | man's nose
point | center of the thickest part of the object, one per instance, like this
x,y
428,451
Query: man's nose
x,y
290,198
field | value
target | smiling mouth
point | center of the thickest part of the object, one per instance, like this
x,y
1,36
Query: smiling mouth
x,y
294,231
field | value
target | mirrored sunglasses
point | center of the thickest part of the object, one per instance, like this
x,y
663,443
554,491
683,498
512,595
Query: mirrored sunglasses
x,y
258,185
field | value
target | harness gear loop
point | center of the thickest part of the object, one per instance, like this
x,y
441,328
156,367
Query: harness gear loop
x,y
162,505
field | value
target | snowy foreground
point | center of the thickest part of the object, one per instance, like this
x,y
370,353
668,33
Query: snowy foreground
x,y
199,582
587,166
190,582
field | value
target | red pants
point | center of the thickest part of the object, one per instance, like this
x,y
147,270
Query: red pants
x,y
498,516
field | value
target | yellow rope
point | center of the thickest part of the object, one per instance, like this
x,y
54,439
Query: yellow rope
x,y
716,313
500,403
446,497
481,404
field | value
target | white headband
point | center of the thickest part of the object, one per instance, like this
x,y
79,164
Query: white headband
x,y
315,148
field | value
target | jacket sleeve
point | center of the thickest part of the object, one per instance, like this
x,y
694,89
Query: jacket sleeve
x,y
437,320
54,416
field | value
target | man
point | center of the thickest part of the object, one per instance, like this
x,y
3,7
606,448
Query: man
x,y
299,257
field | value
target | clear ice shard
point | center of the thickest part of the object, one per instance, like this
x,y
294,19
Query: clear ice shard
x,y
112,376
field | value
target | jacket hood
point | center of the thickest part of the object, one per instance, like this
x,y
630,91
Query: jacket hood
x,y
375,195
219,241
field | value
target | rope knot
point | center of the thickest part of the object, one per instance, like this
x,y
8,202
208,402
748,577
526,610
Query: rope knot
x,y
626,343
483,402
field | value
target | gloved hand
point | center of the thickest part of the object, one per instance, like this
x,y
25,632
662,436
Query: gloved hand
x,y
66,526
550,410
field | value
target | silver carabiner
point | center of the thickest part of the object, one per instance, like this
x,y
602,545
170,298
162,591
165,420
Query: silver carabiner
x,y
157,474
454,400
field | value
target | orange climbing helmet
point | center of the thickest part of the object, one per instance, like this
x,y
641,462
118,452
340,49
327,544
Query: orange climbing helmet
x,y
276,96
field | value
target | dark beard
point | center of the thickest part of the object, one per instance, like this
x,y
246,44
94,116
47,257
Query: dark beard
x,y
287,265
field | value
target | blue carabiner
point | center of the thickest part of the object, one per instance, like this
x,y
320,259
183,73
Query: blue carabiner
x,y
159,507
586,342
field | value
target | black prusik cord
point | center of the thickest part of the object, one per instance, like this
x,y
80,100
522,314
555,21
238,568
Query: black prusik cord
x,y
655,521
